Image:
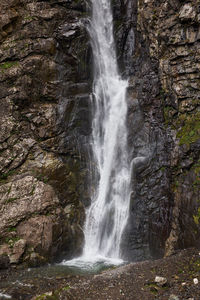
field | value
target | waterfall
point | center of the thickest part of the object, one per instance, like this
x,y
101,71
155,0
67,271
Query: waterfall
x,y
107,215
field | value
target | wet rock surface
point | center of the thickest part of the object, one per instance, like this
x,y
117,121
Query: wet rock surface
x,y
158,44
172,32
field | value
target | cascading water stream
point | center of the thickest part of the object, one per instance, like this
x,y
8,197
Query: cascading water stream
x,y
107,216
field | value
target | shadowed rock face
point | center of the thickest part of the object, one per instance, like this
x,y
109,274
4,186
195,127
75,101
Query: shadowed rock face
x,y
163,123
151,198
45,82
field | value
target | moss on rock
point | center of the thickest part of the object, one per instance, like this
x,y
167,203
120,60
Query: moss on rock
x,y
190,130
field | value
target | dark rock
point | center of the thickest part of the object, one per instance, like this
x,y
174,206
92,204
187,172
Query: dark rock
x,y
4,262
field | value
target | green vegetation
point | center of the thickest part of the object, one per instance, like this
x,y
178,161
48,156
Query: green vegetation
x,y
175,185
4,176
163,169
197,217
48,297
196,170
32,191
190,128
168,114
11,241
41,177
9,189
154,288
192,268
196,184
9,200
12,229
66,288
8,65
30,18
54,295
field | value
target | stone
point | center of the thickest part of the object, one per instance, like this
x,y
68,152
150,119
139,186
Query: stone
x,y
187,12
195,280
17,251
24,197
35,260
173,297
161,281
183,283
4,261
38,232
5,249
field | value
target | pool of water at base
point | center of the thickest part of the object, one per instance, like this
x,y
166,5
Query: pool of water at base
x,y
33,278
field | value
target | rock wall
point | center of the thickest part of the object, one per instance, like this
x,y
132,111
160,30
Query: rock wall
x,y
44,128
172,30
45,83
164,123
151,199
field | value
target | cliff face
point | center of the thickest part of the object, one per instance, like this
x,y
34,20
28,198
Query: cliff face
x,y
172,31
158,46
151,198
45,78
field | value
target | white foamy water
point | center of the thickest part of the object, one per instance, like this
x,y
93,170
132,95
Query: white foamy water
x,y
107,216
4,296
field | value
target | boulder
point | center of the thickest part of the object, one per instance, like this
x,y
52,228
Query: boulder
x,y
160,281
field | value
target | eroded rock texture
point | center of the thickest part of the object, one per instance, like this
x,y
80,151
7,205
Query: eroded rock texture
x,y
44,128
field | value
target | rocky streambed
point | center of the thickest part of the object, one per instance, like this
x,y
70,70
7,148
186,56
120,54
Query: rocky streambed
x,y
179,280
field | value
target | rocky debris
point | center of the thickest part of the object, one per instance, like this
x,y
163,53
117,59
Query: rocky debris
x,y
133,281
196,281
173,297
187,12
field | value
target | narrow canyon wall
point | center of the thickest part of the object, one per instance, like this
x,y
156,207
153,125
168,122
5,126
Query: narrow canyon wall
x,y
45,83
